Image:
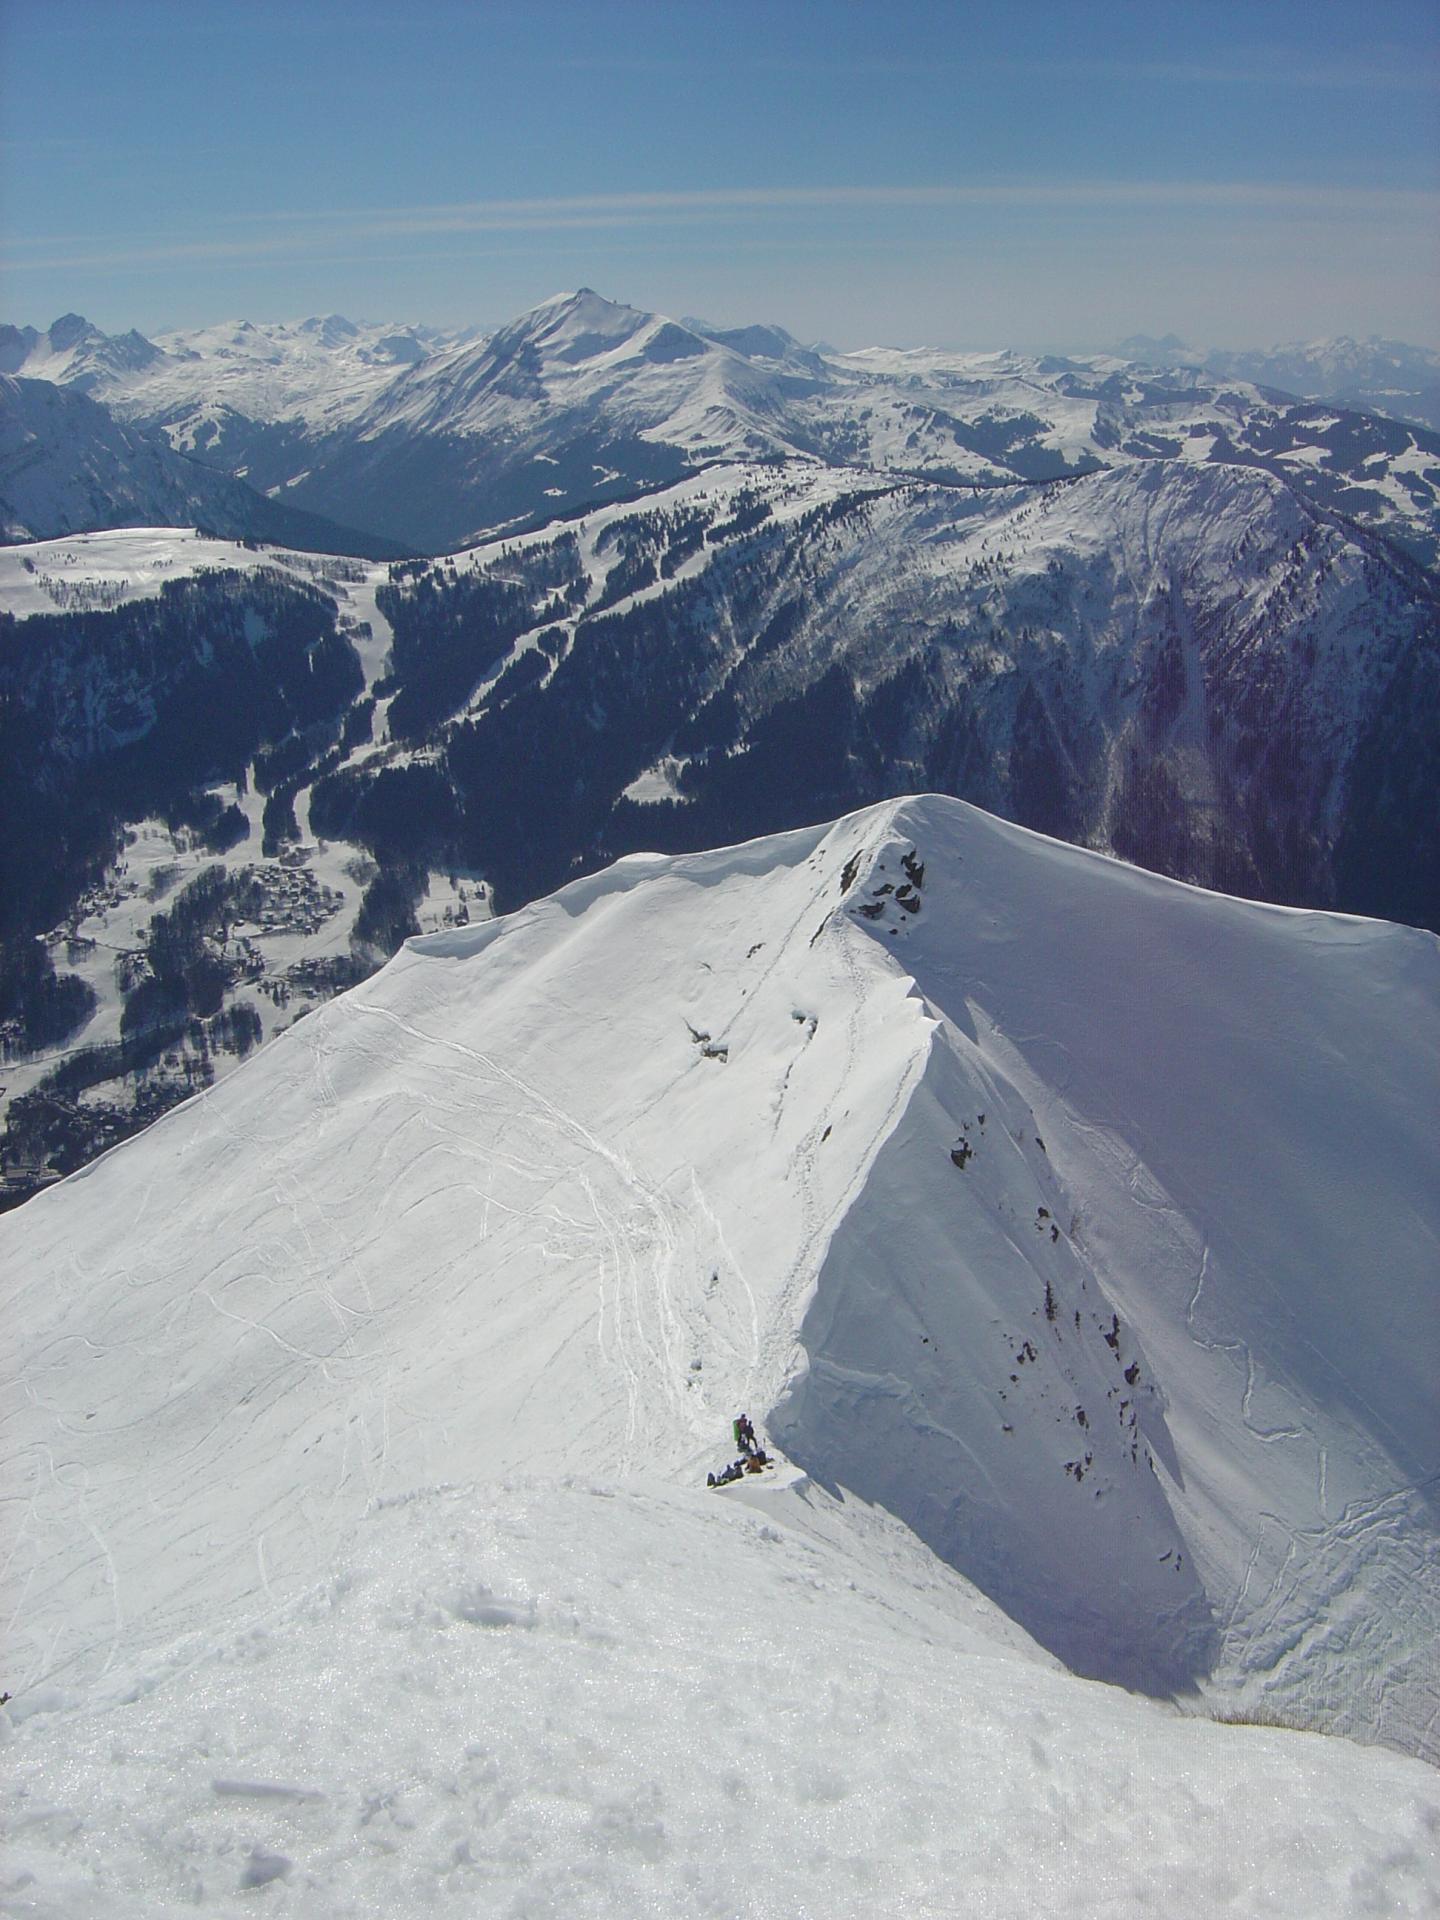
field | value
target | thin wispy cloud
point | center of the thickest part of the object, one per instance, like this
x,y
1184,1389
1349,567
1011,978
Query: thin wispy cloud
x,y
1359,75
1281,195
290,234
1256,67
1263,67
1132,149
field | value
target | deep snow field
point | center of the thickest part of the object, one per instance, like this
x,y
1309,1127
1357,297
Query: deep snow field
x,y
584,1697
358,1416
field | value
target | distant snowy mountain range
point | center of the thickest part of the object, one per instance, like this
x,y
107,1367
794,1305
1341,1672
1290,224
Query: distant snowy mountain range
x,y
1079,1284
68,465
1382,376
311,371
432,439
1180,620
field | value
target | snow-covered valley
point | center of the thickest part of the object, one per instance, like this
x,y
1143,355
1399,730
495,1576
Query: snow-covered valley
x,y
1070,1234
289,924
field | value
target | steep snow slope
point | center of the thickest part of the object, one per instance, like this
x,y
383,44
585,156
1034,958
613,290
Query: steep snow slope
x,y
921,1136
1231,1103
714,1110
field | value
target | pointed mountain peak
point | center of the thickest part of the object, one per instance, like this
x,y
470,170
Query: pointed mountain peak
x,y
580,297
586,307
69,330
571,327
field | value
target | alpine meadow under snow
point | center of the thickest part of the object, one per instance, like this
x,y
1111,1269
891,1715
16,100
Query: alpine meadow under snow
x,y
1069,1233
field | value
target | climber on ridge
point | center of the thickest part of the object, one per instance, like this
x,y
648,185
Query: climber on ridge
x,y
753,1458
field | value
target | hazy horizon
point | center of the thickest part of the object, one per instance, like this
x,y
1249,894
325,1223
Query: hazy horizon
x,y
491,322
923,175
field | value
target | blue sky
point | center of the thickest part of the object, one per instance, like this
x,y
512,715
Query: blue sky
x,y
1043,174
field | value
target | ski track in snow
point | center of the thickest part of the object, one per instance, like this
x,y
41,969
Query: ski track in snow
x,y
586,1215
639,1326
640,1312
1307,1569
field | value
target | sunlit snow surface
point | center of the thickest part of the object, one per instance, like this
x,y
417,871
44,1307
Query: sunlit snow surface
x,y
300,410
582,1698
362,1561
90,572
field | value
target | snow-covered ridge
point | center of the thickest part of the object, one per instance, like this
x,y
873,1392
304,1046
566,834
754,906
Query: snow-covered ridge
x,y
1080,1219
769,1158
97,571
